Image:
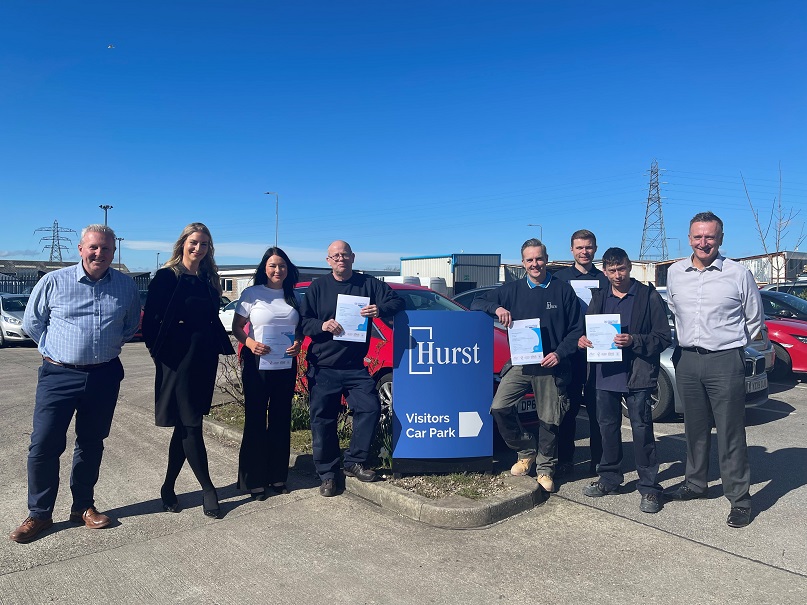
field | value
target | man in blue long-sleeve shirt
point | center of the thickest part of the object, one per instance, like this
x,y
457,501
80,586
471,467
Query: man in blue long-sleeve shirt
x,y
80,317
537,296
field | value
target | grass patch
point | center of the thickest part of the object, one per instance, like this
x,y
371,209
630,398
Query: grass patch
x,y
231,414
474,486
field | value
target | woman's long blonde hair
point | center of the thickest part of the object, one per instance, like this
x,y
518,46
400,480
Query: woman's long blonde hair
x,y
207,267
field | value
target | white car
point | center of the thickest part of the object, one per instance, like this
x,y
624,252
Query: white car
x,y
12,308
226,316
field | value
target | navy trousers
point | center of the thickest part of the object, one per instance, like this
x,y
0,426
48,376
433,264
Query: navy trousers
x,y
326,386
90,394
609,416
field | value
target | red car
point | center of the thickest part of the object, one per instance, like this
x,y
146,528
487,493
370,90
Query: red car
x,y
789,338
379,357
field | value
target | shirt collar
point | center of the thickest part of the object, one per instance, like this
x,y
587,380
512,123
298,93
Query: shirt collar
x,y
631,291
717,264
543,284
81,275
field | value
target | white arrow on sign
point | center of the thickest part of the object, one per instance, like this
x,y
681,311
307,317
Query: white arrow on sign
x,y
470,424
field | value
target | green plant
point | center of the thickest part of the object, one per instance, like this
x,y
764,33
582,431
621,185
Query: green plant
x,y
300,413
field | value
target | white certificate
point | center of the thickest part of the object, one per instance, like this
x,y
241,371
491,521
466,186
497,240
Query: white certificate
x,y
583,287
278,338
601,330
525,342
348,315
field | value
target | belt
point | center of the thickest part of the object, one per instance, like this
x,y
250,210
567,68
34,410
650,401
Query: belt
x,y
702,351
74,366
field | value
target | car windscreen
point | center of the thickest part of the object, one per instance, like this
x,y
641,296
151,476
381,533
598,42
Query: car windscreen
x,y
11,305
780,304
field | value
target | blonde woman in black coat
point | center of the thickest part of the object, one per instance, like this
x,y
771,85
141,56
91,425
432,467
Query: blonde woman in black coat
x,y
183,333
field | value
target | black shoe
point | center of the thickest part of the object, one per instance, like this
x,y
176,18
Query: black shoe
x,y
328,488
597,490
357,470
279,488
169,499
739,517
684,493
564,469
650,503
210,504
259,496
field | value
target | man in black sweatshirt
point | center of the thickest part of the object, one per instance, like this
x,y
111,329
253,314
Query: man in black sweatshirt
x,y
644,334
554,303
337,366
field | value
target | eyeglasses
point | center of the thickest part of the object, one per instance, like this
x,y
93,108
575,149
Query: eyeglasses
x,y
339,256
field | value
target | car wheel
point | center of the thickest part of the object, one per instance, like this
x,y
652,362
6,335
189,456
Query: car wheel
x,y
662,400
783,365
384,388
2,340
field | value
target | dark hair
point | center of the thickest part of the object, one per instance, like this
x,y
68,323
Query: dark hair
x,y
614,256
292,277
707,217
531,243
583,234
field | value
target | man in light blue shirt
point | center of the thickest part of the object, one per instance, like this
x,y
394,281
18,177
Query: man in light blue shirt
x,y
80,317
718,311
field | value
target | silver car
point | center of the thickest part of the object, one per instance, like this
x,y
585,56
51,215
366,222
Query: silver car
x,y
759,360
12,308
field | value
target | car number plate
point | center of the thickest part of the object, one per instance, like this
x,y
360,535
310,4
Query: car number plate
x,y
757,384
526,405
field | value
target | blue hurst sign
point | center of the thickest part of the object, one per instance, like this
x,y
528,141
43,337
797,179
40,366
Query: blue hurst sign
x,y
443,377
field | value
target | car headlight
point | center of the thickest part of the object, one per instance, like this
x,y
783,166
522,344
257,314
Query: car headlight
x,y
12,320
801,339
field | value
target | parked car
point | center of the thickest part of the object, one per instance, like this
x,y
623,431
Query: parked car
x,y
796,288
12,308
227,314
789,338
786,320
782,305
380,355
759,358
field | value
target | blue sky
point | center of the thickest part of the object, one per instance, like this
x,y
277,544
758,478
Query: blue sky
x,y
406,128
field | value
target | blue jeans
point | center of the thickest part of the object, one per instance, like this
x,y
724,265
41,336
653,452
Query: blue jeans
x,y
61,392
326,386
609,416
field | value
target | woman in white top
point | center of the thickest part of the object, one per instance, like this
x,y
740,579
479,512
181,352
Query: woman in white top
x,y
269,375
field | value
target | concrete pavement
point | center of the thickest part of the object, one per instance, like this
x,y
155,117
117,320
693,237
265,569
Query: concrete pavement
x,y
301,547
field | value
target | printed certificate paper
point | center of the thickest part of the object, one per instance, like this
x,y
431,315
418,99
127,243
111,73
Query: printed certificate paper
x,y
525,342
600,330
278,339
583,287
348,315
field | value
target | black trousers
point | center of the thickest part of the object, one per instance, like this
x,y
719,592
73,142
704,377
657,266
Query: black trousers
x,y
579,392
713,386
264,456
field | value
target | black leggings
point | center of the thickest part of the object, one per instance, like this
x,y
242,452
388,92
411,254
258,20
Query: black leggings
x,y
188,443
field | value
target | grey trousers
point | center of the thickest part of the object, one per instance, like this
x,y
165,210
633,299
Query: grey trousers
x,y
551,403
713,386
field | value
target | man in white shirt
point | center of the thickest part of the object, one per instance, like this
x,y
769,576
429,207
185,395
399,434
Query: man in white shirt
x,y
718,310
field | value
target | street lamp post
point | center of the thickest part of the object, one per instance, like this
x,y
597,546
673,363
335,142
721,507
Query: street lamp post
x,y
105,208
158,260
120,239
277,208
539,227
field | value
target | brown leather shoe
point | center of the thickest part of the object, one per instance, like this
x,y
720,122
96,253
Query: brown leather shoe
x,y
90,517
30,529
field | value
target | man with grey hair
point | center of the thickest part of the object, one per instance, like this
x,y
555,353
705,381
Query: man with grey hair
x,y
554,303
80,317
718,310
